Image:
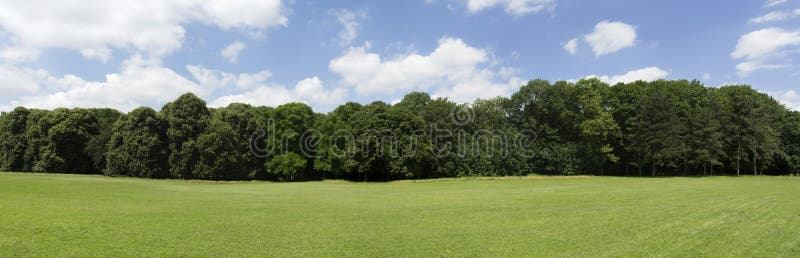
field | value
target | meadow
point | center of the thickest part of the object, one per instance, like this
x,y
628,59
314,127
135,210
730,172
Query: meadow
x,y
82,215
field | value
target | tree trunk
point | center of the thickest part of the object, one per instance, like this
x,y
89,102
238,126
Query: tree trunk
x,y
627,169
738,156
654,168
704,169
684,167
712,169
755,163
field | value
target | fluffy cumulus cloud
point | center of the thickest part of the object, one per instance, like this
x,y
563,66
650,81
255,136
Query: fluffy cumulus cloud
x,y
513,7
231,52
644,74
311,91
140,82
761,49
255,89
149,27
454,69
611,36
349,20
17,80
214,79
146,29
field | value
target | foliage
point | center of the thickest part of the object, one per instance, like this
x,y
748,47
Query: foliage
x,y
138,147
658,128
286,166
186,118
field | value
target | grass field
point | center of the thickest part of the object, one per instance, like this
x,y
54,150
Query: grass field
x,y
76,215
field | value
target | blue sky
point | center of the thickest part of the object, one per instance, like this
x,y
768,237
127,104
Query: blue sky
x,y
128,53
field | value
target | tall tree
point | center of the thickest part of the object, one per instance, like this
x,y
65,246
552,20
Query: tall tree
x,y
292,121
138,146
67,133
96,146
598,128
656,130
187,117
13,142
705,139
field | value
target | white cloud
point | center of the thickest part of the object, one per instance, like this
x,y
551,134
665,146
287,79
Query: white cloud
x,y
150,27
141,82
350,25
101,54
15,80
644,74
764,42
571,46
454,69
19,54
264,95
773,3
747,67
309,90
513,7
144,82
214,79
789,98
776,16
231,52
255,89
609,37
706,76
312,90
759,47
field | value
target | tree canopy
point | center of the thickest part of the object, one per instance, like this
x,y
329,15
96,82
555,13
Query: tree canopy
x,y
658,128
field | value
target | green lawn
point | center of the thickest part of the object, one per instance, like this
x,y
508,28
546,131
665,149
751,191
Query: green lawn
x,y
76,215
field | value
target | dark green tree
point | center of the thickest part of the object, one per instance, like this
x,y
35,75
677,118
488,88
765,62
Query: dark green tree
x,y
67,132
13,142
96,147
186,117
138,146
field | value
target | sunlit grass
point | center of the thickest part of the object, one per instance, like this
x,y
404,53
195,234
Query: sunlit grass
x,y
77,215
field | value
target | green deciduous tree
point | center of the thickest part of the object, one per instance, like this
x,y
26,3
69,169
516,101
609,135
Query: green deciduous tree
x,y
68,131
138,147
187,117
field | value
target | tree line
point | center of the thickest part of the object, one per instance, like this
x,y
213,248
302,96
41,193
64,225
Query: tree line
x,y
658,128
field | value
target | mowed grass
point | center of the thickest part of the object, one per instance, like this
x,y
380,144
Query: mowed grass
x,y
78,215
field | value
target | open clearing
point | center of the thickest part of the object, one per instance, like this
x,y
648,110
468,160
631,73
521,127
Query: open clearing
x,y
79,215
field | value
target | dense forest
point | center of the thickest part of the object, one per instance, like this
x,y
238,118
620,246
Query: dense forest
x,y
659,128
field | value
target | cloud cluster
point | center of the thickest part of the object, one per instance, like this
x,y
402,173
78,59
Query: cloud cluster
x,y
96,27
146,29
454,69
258,91
140,82
644,74
608,37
